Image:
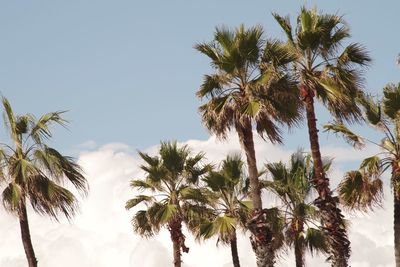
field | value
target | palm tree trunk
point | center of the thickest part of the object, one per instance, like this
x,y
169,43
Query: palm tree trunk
x,y
25,235
396,203
245,133
298,251
177,253
178,241
234,250
260,234
331,216
396,227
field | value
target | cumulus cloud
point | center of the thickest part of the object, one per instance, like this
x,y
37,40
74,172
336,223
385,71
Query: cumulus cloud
x,y
101,234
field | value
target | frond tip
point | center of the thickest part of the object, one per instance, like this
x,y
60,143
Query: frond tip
x,y
353,139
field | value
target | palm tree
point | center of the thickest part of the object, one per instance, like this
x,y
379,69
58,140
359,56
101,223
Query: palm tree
x,y
248,89
292,185
331,75
227,200
169,177
362,189
35,172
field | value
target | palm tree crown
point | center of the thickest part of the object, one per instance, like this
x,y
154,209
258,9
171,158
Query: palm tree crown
x,y
323,67
34,171
292,185
363,189
248,83
227,199
171,201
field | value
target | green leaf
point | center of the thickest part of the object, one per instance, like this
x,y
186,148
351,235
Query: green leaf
x,y
372,165
11,197
316,241
391,100
251,108
138,199
167,213
358,191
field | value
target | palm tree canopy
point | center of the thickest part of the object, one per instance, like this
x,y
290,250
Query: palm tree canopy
x,y
228,198
248,83
362,189
36,171
168,181
332,72
292,185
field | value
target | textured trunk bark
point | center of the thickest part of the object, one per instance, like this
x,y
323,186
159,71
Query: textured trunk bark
x,y
265,256
331,217
177,253
396,227
396,203
26,236
234,250
246,139
260,236
298,252
178,241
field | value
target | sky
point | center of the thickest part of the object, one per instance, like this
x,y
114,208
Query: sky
x,y
127,73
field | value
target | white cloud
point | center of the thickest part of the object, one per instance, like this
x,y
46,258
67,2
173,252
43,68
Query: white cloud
x,y
101,234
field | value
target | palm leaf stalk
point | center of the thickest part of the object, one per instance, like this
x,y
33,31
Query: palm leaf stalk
x,y
363,189
332,75
248,89
34,172
292,185
171,200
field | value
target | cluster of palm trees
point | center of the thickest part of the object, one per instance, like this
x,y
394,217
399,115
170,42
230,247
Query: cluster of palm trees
x,y
265,84
260,84
181,189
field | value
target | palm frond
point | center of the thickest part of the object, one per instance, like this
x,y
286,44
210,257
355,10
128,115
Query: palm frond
x,y
391,101
11,197
48,198
142,225
358,191
143,185
222,226
68,168
137,200
316,241
40,130
284,22
353,139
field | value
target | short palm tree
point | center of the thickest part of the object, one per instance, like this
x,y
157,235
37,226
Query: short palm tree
x,y
169,177
329,71
35,172
292,185
362,189
227,200
248,89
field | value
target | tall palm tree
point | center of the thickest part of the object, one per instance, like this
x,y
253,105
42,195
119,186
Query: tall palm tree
x,y
171,199
227,200
292,185
362,189
330,74
248,89
35,172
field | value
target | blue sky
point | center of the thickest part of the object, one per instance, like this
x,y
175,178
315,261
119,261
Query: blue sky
x,y
127,70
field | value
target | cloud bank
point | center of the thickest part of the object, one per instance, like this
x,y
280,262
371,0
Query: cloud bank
x,y
101,234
